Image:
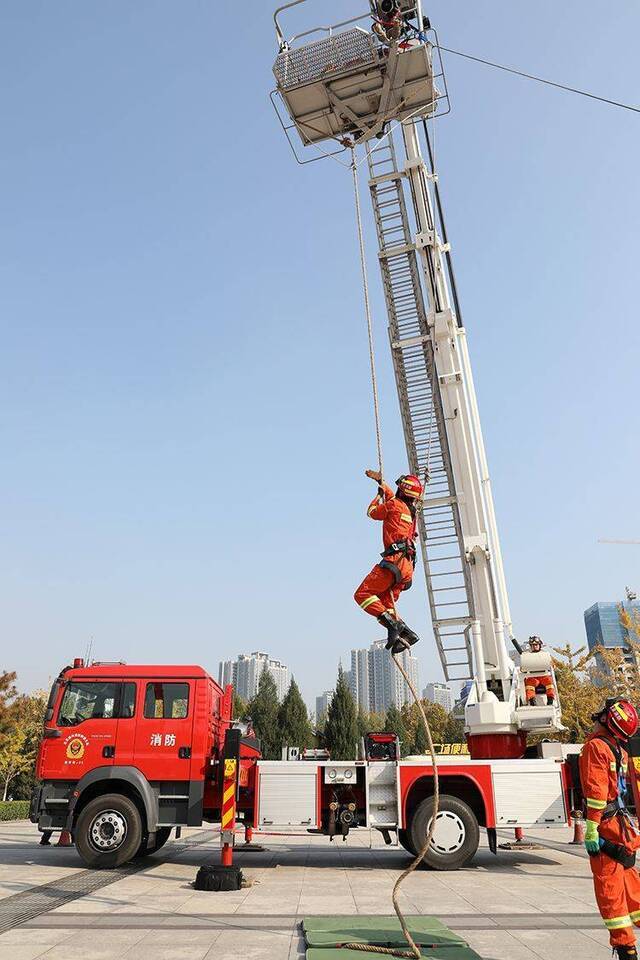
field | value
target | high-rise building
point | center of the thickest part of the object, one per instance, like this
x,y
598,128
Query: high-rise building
x,y
605,628
245,672
439,693
376,683
460,703
322,704
359,677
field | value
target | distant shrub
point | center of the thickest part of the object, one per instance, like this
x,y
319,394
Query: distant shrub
x,y
14,810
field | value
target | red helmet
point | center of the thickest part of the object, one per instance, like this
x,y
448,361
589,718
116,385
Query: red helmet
x,y
410,486
620,717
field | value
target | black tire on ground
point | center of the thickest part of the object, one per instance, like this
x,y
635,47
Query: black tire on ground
x,y
404,839
457,833
144,850
108,831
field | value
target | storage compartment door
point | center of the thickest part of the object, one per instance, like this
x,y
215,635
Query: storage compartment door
x,y
526,798
288,800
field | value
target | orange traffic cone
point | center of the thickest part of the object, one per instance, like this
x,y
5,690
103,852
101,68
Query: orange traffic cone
x,y
65,839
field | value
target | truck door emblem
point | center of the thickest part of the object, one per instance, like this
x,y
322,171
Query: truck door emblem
x,y
76,747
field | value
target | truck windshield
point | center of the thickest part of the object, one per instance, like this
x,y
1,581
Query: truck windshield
x,y
88,700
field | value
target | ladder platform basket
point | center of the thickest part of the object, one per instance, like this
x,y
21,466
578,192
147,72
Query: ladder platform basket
x,y
350,85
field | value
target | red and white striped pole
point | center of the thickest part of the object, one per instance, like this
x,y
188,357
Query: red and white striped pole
x,y
228,815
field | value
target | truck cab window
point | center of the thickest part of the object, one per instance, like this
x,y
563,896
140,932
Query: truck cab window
x,y
128,705
166,701
87,701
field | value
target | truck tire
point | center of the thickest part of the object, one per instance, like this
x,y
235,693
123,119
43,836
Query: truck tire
x,y
457,833
144,850
108,832
405,841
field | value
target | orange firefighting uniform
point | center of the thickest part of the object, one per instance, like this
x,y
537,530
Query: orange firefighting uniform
x,y
617,889
381,588
531,683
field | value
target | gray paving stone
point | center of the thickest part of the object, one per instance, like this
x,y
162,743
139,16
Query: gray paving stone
x,y
515,907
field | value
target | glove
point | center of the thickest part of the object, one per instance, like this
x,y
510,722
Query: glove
x,y
374,475
591,838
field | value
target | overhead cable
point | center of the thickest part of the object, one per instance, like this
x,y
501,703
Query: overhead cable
x,y
548,83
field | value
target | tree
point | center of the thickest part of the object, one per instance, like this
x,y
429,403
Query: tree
x,y
420,744
454,730
293,720
341,729
363,721
437,717
393,724
240,707
582,689
263,710
7,696
19,745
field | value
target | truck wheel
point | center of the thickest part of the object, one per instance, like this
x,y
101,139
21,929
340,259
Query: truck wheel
x,y
144,850
404,839
108,832
456,837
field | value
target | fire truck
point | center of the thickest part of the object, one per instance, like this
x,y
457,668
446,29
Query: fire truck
x,y
131,752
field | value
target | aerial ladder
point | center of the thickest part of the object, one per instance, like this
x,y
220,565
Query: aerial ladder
x,y
354,89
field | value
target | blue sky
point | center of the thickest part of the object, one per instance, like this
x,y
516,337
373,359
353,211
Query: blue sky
x,y
185,413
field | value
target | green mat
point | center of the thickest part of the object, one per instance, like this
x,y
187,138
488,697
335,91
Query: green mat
x,y
323,934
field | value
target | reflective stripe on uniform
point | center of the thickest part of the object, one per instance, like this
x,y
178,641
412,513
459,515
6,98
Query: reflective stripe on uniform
x,y
612,765
615,923
367,603
406,516
596,804
635,916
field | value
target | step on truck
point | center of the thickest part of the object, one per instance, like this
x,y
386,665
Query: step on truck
x,y
131,752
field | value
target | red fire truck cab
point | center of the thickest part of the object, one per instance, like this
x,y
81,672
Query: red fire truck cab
x,y
129,752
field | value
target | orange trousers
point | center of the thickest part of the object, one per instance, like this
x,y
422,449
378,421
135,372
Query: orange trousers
x,y
531,683
618,897
378,591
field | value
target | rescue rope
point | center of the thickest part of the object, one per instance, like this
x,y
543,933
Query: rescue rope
x,y
415,951
367,307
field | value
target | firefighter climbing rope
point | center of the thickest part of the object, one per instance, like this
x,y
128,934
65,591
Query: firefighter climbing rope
x,y
415,950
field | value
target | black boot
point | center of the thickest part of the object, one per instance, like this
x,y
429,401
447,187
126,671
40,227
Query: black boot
x,y
406,639
626,952
393,628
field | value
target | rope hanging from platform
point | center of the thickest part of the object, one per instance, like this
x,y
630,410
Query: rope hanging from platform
x,y
415,951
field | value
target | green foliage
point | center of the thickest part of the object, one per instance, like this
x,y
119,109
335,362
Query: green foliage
x,y
341,729
19,744
293,720
393,724
7,696
454,730
239,708
420,743
14,810
363,721
263,710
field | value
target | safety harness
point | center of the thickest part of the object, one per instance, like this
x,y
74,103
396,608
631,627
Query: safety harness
x,y
405,548
617,808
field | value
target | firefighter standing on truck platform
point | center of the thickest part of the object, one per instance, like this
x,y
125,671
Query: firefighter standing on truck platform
x,y
612,836
378,592
544,682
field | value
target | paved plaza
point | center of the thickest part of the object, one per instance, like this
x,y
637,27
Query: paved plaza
x,y
519,906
